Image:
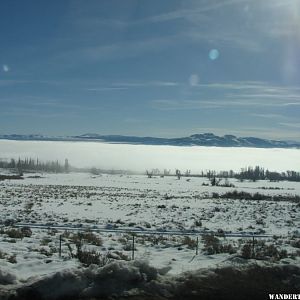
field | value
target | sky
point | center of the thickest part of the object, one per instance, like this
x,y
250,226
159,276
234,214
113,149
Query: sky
x,y
150,68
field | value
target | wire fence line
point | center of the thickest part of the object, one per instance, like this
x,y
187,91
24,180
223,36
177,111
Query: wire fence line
x,y
142,231
135,232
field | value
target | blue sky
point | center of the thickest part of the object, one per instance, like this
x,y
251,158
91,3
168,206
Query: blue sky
x,y
156,68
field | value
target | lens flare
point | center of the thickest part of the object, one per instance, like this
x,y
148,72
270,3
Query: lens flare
x,y
5,68
213,54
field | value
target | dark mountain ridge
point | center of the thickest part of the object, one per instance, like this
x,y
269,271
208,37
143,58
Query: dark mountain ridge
x,y
203,139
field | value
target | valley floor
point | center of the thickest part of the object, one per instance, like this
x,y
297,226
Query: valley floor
x,y
127,203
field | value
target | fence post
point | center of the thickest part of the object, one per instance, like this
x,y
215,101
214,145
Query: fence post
x,y
133,247
60,238
253,243
197,245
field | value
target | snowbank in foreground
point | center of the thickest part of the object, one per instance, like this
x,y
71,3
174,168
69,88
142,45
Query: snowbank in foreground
x,y
137,279
6,277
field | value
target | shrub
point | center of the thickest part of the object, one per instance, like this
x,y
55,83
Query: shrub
x,y
256,196
262,251
260,222
215,195
17,233
271,251
28,206
92,238
227,248
92,257
211,244
2,255
88,237
128,247
12,259
45,241
191,243
14,233
247,251
296,243
26,231
45,252
198,223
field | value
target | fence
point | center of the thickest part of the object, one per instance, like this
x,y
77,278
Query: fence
x,y
140,231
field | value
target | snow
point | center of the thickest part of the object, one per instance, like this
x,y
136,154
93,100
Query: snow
x,y
131,202
80,198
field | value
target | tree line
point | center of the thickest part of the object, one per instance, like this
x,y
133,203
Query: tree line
x,y
31,164
259,173
248,173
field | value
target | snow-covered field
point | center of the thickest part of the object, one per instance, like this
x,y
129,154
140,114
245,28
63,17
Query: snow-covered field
x,y
137,202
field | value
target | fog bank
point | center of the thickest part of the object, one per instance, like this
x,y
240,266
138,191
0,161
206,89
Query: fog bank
x,y
142,157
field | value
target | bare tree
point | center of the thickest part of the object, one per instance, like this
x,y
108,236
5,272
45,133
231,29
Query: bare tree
x,y
149,174
167,172
188,173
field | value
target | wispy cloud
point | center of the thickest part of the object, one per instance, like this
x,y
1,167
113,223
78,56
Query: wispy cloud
x,y
10,82
39,106
235,94
229,38
187,12
152,83
119,86
201,26
190,13
270,116
199,96
135,121
119,50
283,96
167,104
293,125
35,113
92,22
105,89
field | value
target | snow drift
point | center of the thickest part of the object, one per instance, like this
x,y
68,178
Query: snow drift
x,y
138,280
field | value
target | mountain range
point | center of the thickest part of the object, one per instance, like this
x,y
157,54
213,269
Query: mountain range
x,y
204,139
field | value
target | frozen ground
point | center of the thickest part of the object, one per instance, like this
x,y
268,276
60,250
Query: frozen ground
x,y
137,202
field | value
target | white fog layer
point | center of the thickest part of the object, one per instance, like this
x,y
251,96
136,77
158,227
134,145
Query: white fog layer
x,y
142,157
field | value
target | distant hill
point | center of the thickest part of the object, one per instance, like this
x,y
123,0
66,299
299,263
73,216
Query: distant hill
x,y
204,139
